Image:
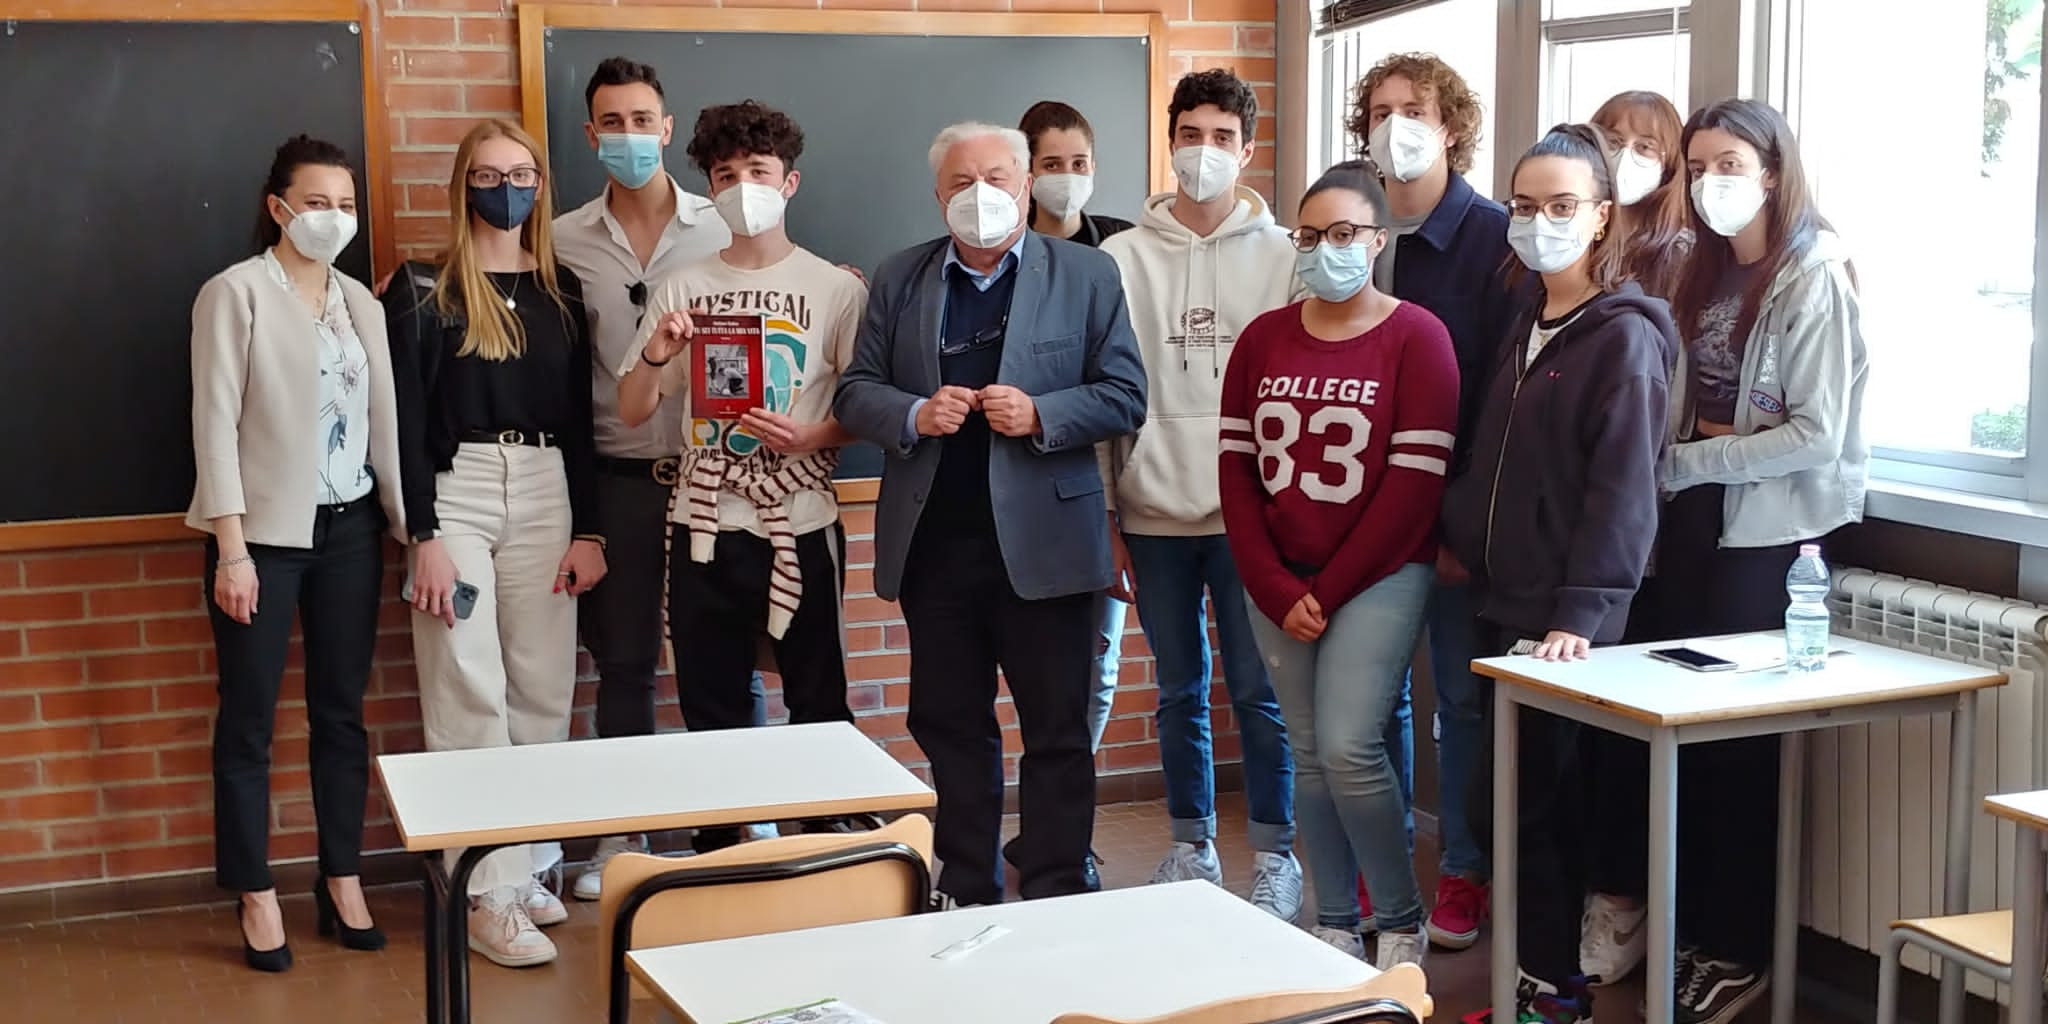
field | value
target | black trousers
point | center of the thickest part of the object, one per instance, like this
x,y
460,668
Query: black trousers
x,y
332,589
718,615
1569,807
620,618
965,622
1727,791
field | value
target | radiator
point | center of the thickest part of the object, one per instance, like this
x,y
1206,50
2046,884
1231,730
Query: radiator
x,y
1877,794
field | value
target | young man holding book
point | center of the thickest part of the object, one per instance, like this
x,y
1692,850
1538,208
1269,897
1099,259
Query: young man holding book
x,y
756,548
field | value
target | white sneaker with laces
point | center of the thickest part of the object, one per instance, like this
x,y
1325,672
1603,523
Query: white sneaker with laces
x,y
1349,943
543,907
1189,862
766,831
1276,884
1401,948
500,930
1612,939
590,884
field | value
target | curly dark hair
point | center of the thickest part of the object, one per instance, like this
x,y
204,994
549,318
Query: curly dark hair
x,y
1218,86
747,127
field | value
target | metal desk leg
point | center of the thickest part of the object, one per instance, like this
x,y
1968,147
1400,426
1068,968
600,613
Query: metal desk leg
x,y
1785,926
433,922
1962,812
455,917
1662,955
2028,896
1506,762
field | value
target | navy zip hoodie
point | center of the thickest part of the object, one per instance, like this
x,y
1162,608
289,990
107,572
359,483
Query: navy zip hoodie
x,y
1556,510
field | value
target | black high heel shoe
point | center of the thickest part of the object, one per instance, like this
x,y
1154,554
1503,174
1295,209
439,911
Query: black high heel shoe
x,y
369,940
269,960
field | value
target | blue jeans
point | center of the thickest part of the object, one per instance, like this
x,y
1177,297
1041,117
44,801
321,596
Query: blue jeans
x,y
1172,573
1110,647
1461,703
1338,694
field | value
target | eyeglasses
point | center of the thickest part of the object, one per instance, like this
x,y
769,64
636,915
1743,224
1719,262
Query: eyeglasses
x,y
1340,234
491,177
1558,210
636,293
977,341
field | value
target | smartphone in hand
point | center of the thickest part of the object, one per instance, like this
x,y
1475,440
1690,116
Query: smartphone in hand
x,y
464,597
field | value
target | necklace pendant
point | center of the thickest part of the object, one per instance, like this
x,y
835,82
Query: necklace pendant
x,y
511,303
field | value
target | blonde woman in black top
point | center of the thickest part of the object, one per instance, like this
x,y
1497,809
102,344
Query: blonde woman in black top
x,y
493,368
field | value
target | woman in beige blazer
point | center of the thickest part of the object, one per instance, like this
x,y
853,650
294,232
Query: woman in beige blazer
x,y
295,438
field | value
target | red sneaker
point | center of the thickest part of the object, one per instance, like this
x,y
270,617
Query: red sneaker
x,y
1366,926
1460,908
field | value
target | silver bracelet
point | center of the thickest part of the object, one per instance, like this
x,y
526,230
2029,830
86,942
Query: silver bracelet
x,y
227,562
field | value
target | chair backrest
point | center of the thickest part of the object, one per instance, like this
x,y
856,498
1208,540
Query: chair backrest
x,y
1398,995
770,885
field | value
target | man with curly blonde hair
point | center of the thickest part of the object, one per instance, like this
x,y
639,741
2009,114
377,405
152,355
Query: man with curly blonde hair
x,y
1420,122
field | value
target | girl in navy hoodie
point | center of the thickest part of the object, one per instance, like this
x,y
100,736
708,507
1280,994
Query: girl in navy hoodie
x,y
1555,514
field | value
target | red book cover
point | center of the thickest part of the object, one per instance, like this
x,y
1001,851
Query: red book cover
x,y
726,376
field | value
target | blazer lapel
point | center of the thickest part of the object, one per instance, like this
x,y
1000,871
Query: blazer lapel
x,y
932,300
1033,286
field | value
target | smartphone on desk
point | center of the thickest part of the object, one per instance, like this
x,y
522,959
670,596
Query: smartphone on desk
x,y
464,597
1698,661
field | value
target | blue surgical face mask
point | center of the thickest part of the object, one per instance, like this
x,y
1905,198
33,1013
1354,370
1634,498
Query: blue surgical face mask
x,y
504,207
1335,274
630,159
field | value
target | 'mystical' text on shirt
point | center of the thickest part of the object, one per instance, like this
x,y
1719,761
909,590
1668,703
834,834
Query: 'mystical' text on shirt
x,y
786,305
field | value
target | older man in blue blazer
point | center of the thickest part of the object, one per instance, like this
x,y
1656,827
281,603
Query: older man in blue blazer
x,y
990,363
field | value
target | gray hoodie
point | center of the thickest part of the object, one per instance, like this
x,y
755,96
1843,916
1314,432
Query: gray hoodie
x,y
1797,463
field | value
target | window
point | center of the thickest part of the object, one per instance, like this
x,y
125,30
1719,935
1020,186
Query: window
x,y
1459,31
1594,49
1924,150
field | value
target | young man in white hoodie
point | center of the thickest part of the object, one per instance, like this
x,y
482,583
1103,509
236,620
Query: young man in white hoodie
x,y
1203,261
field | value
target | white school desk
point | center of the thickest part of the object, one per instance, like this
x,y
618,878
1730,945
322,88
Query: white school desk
x,y
2030,812
1623,690
1136,952
481,800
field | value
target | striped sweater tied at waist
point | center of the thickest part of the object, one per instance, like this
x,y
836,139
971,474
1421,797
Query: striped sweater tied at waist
x,y
767,480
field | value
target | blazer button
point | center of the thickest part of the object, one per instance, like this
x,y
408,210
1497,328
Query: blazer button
x,y
918,497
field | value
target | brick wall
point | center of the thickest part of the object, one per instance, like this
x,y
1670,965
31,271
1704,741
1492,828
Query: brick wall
x,y
106,664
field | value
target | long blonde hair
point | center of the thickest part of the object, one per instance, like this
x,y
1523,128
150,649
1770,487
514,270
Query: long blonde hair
x,y
462,289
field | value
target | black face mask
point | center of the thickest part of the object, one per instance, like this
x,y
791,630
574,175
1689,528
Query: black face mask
x,y
505,207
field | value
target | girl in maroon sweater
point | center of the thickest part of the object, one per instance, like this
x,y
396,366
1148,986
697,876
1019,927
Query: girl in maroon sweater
x,y
1338,420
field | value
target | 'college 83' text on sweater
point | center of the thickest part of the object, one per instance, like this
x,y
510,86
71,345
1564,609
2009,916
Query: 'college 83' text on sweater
x,y
1333,454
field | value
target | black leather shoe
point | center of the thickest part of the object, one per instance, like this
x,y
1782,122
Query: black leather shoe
x,y
272,961
369,940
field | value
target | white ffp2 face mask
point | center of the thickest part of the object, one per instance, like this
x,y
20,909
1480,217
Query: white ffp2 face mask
x,y
1728,202
1404,148
750,208
1063,195
1635,175
982,215
320,235
1205,172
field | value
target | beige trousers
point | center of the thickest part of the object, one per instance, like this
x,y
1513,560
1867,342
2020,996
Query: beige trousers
x,y
507,674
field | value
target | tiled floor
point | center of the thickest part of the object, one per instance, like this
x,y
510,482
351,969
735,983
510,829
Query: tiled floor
x,y
185,966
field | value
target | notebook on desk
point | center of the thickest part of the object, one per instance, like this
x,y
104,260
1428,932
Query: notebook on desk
x,y
827,1011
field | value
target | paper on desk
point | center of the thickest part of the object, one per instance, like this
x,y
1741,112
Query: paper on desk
x,y
828,1011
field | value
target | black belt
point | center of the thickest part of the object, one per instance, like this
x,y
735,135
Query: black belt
x,y
529,438
664,471
344,508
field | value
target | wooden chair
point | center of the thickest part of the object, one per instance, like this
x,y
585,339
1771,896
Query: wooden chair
x,y
1982,942
772,885
1399,996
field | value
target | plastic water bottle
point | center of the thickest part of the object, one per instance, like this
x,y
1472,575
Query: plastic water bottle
x,y
1806,617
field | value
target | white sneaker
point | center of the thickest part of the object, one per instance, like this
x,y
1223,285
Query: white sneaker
x,y
1612,939
543,907
1401,948
1349,943
501,931
1189,862
590,884
767,831
1276,884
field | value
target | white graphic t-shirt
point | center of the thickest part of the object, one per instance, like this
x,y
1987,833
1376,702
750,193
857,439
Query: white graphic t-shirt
x,y
811,313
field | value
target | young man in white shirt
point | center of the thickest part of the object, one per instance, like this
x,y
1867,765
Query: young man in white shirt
x,y
640,230
756,547
1201,264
